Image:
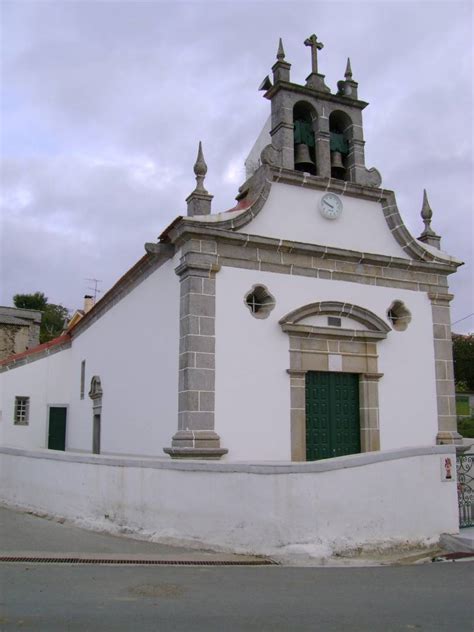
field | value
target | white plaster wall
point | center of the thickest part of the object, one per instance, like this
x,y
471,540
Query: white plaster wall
x,y
133,348
45,382
292,213
252,356
387,499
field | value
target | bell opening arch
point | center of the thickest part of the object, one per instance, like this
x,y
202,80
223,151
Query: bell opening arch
x,y
340,144
304,122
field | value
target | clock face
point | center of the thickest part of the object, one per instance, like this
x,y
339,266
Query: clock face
x,y
330,206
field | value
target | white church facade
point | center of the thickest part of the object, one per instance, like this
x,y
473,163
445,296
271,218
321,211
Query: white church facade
x,y
305,323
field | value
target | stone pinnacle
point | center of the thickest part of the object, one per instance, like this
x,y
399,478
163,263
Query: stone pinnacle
x,y
280,51
348,73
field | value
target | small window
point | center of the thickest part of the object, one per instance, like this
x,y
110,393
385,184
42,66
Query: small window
x,y
334,321
399,315
22,411
259,301
83,378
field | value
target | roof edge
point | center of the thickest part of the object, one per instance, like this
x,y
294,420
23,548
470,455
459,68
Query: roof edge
x,y
42,350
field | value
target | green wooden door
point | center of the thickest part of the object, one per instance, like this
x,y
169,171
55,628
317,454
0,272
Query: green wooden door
x,y
332,415
57,428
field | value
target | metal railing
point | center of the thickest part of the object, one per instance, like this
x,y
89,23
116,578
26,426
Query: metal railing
x,y
465,471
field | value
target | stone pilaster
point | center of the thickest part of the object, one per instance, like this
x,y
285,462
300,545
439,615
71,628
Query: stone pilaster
x,y
356,161
322,151
443,348
282,131
196,437
298,414
369,411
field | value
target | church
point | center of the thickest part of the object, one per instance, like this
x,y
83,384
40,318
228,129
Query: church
x,y
305,323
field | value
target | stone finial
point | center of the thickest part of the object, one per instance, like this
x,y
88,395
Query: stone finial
x,y
348,73
200,169
281,68
280,51
426,212
428,236
347,87
199,201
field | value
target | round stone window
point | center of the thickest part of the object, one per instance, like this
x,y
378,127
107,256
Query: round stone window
x,y
399,315
259,301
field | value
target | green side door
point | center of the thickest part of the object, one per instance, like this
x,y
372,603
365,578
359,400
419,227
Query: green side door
x,y
57,428
332,415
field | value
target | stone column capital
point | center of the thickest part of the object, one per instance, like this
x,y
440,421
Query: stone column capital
x,y
440,299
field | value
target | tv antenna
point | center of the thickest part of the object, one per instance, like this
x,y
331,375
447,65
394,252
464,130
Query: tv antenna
x,y
95,287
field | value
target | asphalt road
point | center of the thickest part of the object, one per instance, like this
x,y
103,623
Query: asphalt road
x,y
59,597
69,598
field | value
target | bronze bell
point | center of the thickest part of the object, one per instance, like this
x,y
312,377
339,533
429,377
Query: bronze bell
x,y
337,166
303,160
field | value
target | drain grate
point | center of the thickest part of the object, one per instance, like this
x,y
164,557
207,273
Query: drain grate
x,y
80,560
459,555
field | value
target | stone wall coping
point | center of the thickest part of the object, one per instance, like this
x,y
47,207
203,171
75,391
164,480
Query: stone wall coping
x,y
7,313
262,467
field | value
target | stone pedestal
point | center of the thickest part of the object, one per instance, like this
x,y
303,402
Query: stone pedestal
x,y
195,444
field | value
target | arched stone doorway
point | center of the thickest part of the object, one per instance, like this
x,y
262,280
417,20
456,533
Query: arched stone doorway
x,y
327,338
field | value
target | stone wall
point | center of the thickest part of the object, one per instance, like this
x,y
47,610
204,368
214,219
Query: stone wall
x,y
19,330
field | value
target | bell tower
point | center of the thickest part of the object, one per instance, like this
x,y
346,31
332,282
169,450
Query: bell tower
x,y
314,130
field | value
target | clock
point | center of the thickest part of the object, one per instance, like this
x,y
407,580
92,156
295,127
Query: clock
x,y
330,206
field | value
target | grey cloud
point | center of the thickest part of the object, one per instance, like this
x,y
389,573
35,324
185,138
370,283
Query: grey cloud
x,y
96,89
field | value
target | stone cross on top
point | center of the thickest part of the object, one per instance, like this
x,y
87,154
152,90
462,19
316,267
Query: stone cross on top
x,y
312,41
315,80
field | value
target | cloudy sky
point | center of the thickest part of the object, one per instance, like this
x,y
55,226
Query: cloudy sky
x,y
103,104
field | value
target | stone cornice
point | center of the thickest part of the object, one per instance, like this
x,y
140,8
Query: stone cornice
x,y
189,230
331,332
196,266
315,94
440,299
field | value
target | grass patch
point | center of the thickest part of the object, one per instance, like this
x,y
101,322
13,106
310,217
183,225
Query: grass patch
x,y
462,405
466,428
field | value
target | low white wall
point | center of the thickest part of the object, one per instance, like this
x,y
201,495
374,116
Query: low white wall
x,y
379,498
